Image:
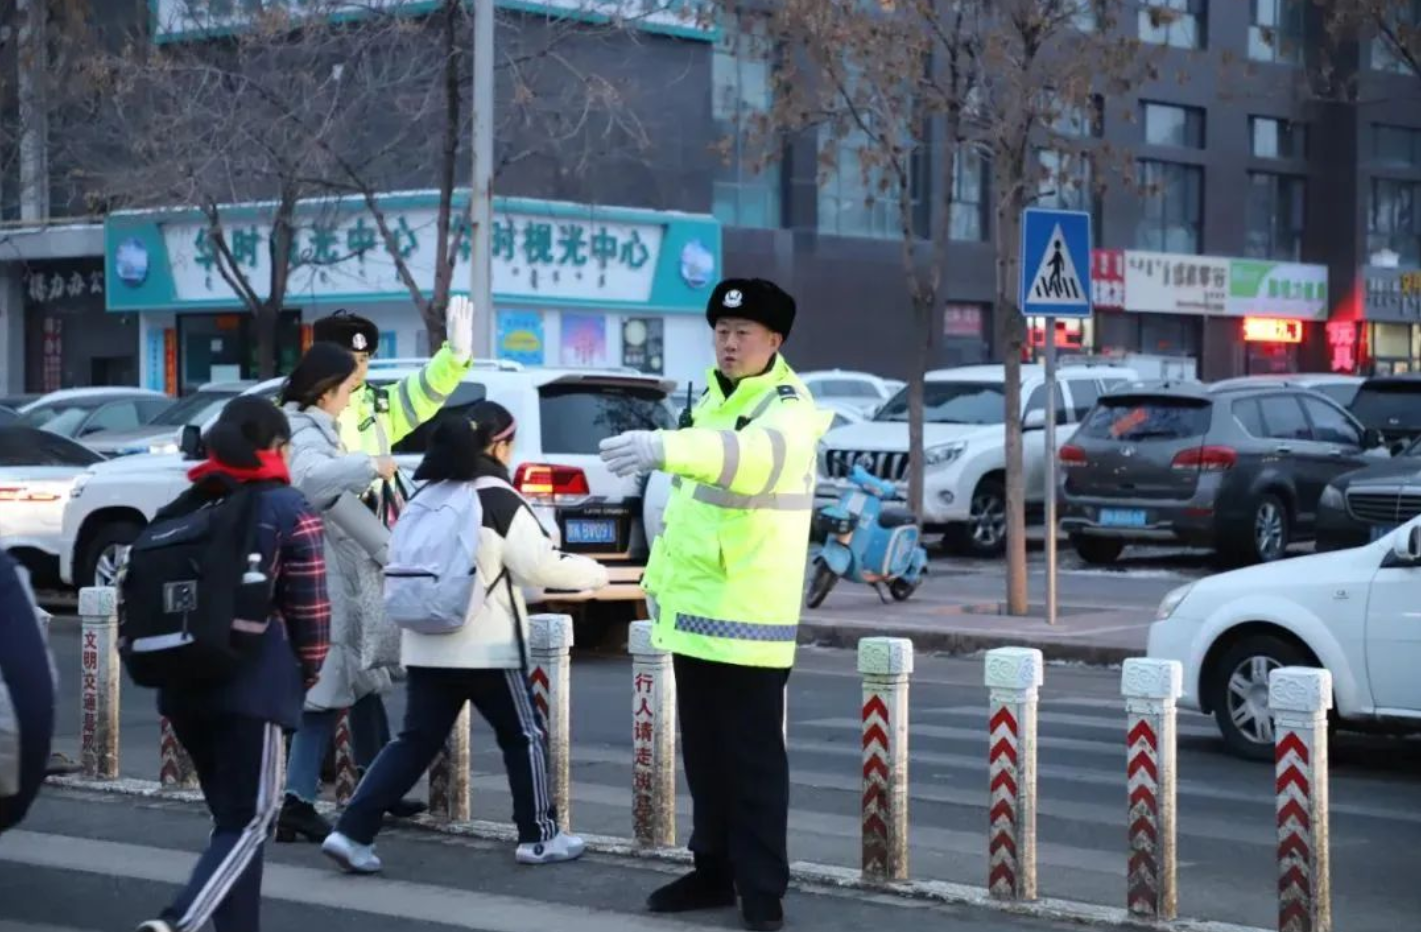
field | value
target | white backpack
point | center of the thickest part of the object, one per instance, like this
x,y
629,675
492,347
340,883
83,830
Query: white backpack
x,y
431,579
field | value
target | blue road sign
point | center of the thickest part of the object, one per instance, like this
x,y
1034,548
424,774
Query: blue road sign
x,y
1055,263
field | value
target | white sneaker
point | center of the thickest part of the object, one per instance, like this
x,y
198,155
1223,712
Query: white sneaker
x,y
352,857
563,847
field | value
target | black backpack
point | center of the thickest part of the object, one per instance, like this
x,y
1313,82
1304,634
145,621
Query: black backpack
x,y
186,615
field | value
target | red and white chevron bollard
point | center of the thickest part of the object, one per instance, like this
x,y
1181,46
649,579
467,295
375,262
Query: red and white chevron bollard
x,y
1299,699
549,652
885,665
653,740
1151,689
344,760
449,774
1014,675
175,770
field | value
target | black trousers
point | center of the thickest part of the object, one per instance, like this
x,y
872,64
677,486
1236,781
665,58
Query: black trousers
x,y
435,697
733,749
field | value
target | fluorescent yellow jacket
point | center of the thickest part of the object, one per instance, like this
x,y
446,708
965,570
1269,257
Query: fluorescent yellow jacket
x,y
379,418
727,573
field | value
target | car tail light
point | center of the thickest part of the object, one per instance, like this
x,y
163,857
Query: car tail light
x,y
23,494
1206,459
551,483
1072,457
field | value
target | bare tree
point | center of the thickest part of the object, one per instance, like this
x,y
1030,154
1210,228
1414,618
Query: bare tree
x,y
1395,25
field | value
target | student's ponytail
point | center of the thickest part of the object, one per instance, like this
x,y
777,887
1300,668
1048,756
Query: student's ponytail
x,y
247,424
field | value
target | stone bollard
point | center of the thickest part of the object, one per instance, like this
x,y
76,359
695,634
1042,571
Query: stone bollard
x,y
99,682
885,665
653,740
1151,688
175,770
549,652
344,760
1014,675
449,774
1299,699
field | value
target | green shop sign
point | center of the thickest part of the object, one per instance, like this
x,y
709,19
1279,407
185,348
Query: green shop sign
x,y
543,253
1277,289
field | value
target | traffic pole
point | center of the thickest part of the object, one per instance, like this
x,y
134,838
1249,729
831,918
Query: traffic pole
x,y
1151,689
653,740
1052,470
1014,676
175,770
550,654
449,774
885,665
99,682
1299,699
344,760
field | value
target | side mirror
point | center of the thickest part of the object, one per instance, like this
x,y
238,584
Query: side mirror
x,y
1034,420
1406,544
190,442
1371,438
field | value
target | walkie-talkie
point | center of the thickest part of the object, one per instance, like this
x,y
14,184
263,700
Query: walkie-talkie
x,y
687,420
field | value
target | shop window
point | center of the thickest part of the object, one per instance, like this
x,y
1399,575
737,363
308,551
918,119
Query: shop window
x,y
1174,126
1394,219
1276,208
1172,207
744,194
1276,33
1278,139
1178,23
1391,341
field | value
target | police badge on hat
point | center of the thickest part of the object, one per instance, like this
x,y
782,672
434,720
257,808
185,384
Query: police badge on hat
x,y
347,330
733,299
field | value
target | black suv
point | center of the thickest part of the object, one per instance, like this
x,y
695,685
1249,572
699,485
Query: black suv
x,y
1390,405
1236,468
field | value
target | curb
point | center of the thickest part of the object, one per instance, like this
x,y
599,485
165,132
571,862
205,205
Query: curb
x,y
804,875
847,635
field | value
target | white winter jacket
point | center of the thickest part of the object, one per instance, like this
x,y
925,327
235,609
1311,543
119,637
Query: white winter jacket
x,y
513,551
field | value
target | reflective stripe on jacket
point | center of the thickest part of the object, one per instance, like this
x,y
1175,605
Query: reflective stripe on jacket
x,y
379,418
727,573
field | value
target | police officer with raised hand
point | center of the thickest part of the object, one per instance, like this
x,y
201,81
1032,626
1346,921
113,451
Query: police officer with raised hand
x,y
726,578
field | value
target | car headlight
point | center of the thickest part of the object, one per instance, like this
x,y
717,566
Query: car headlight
x,y
944,454
1172,601
1332,498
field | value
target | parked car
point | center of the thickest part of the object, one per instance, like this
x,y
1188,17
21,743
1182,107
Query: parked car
x,y
1238,468
161,434
964,446
1352,612
1340,388
1392,405
8,415
37,471
81,412
1359,507
17,402
562,414
860,390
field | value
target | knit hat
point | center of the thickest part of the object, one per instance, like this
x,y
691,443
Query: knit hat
x,y
756,299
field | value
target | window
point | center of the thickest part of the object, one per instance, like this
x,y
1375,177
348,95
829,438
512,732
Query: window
x,y
1172,207
969,184
1180,23
1394,220
1276,216
1396,145
1386,56
843,388
1169,125
1278,139
1249,417
1283,419
951,403
29,447
740,76
1079,120
1037,402
854,204
1329,425
1276,33
1084,394
1135,418
577,418
1065,181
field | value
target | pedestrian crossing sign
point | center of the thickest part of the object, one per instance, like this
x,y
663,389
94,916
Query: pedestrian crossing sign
x,y
1055,263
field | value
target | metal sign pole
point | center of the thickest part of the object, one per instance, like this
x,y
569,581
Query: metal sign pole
x,y
1052,467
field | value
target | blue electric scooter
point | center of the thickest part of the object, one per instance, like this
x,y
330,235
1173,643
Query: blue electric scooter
x,y
860,540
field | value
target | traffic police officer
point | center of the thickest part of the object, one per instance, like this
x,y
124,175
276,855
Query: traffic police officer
x,y
726,578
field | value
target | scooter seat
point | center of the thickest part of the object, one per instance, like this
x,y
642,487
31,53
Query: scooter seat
x,y
896,517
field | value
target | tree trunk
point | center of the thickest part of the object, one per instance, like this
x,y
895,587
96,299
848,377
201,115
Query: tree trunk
x,y
917,467
1010,330
265,320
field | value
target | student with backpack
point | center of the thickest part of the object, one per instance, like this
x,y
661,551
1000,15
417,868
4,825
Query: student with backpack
x,y
476,652
315,395
251,632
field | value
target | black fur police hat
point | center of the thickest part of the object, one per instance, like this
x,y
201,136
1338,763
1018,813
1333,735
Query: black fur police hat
x,y
755,299
348,331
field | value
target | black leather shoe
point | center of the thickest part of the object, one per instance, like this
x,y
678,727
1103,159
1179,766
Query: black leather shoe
x,y
299,821
762,913
406,809
697,890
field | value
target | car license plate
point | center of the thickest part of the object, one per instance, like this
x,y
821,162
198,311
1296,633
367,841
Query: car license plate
x,y
1122,517
1382,530
583,531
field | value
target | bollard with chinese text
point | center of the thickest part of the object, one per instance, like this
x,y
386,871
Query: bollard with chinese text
x,y
885,665
653,740
449,774
1299,699
549,653
99,682
1014,676
1151,688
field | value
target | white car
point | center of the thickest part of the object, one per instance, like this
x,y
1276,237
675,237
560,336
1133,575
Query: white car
x,y
37,472
965,445
161,434
562,415
81,412
861,391
1353,612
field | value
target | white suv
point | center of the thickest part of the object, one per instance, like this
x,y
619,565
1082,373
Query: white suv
x,y
965,445
562,415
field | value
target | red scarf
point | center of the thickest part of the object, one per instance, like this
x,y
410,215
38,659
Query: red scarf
x,y
272,468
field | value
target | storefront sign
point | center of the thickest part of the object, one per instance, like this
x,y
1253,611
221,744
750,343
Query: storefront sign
x,y
962,321
1393,295
1277,289
1107,279
1272,330
54,286
1160,283
520,337
541,251
176,20
53,355
1342,344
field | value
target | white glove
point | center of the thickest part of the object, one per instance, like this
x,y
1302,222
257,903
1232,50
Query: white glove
x,y
459,324
636,451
